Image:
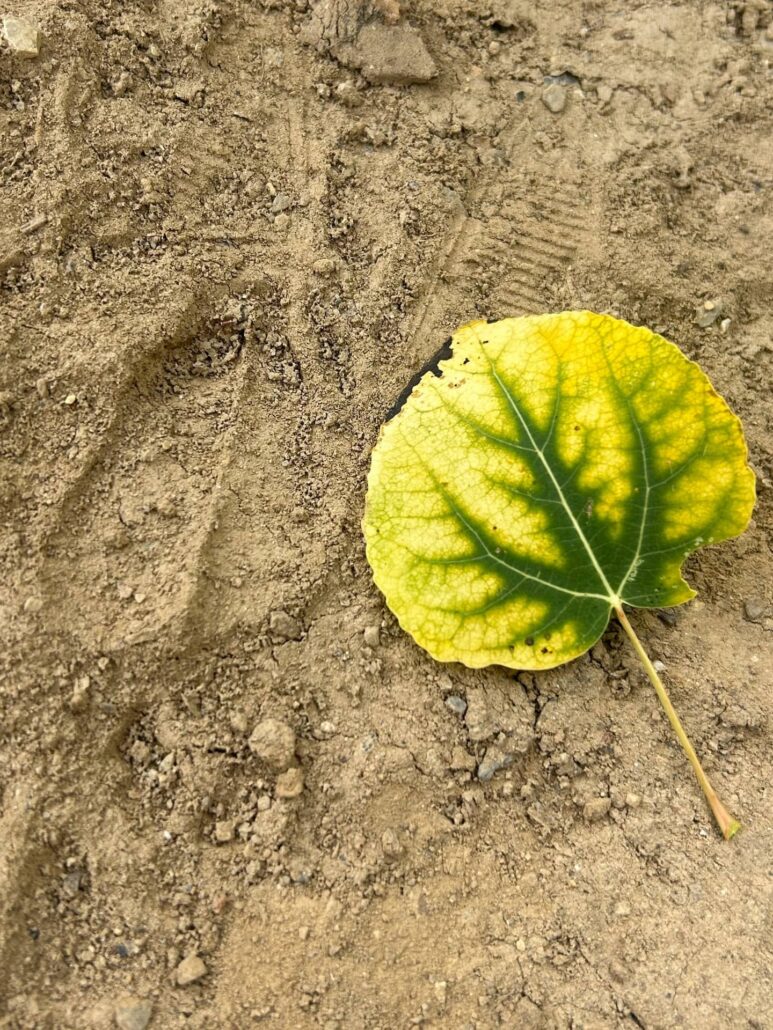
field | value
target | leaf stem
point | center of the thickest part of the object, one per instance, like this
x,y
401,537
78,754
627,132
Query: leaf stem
x,y
727,824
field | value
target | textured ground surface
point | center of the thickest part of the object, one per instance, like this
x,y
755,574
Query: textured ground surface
x,y
228,239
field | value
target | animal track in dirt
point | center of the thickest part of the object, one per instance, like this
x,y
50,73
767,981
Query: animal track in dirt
x,y
124,539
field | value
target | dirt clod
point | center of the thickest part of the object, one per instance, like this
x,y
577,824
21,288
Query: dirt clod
x,y
274,743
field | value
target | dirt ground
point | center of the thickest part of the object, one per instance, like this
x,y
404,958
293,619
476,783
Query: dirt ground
x,y
231,232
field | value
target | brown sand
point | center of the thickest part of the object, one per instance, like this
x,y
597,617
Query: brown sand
x,y
226,243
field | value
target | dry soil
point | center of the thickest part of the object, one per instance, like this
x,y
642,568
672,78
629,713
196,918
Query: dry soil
x,y
230,233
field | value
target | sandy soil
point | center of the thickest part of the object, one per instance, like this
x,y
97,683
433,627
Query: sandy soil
x,y
231,232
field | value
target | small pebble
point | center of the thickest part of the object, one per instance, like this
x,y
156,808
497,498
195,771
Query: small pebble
x,y
390,845
23,36
753,608
708,313
457,704
274,742
224,831
493,760
632,800
133,1013
371,636
190,970
70,399
596,809
604,93
658,666
281,202
282,221
289,784
667,617
554,98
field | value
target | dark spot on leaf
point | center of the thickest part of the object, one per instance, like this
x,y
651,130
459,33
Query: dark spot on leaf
x,y
443,354
576,428
544,650
529,641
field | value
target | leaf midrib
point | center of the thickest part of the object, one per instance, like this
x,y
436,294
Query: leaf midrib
x,y
611,596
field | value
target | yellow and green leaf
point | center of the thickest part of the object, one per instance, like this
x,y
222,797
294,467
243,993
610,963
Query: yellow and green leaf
x,y
557,467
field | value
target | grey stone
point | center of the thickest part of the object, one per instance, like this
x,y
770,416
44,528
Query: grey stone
x,y
554,98
456,704
133,1013
754,608
495,758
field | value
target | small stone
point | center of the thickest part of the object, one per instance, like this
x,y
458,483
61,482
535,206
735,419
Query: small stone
x,y
289,784
493,760
264,802
189,92
133,1013
33,605
42,388
79,698
668,617
325,266
596,809
632,800
274,743
327,729
658,666
754,609
224,831
281,202
239,722
622,909
282,221
190,970
708,313
348,94
304,932
23,36
554,98
457,704
283,627
604,93
371,636
391,846
70,399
